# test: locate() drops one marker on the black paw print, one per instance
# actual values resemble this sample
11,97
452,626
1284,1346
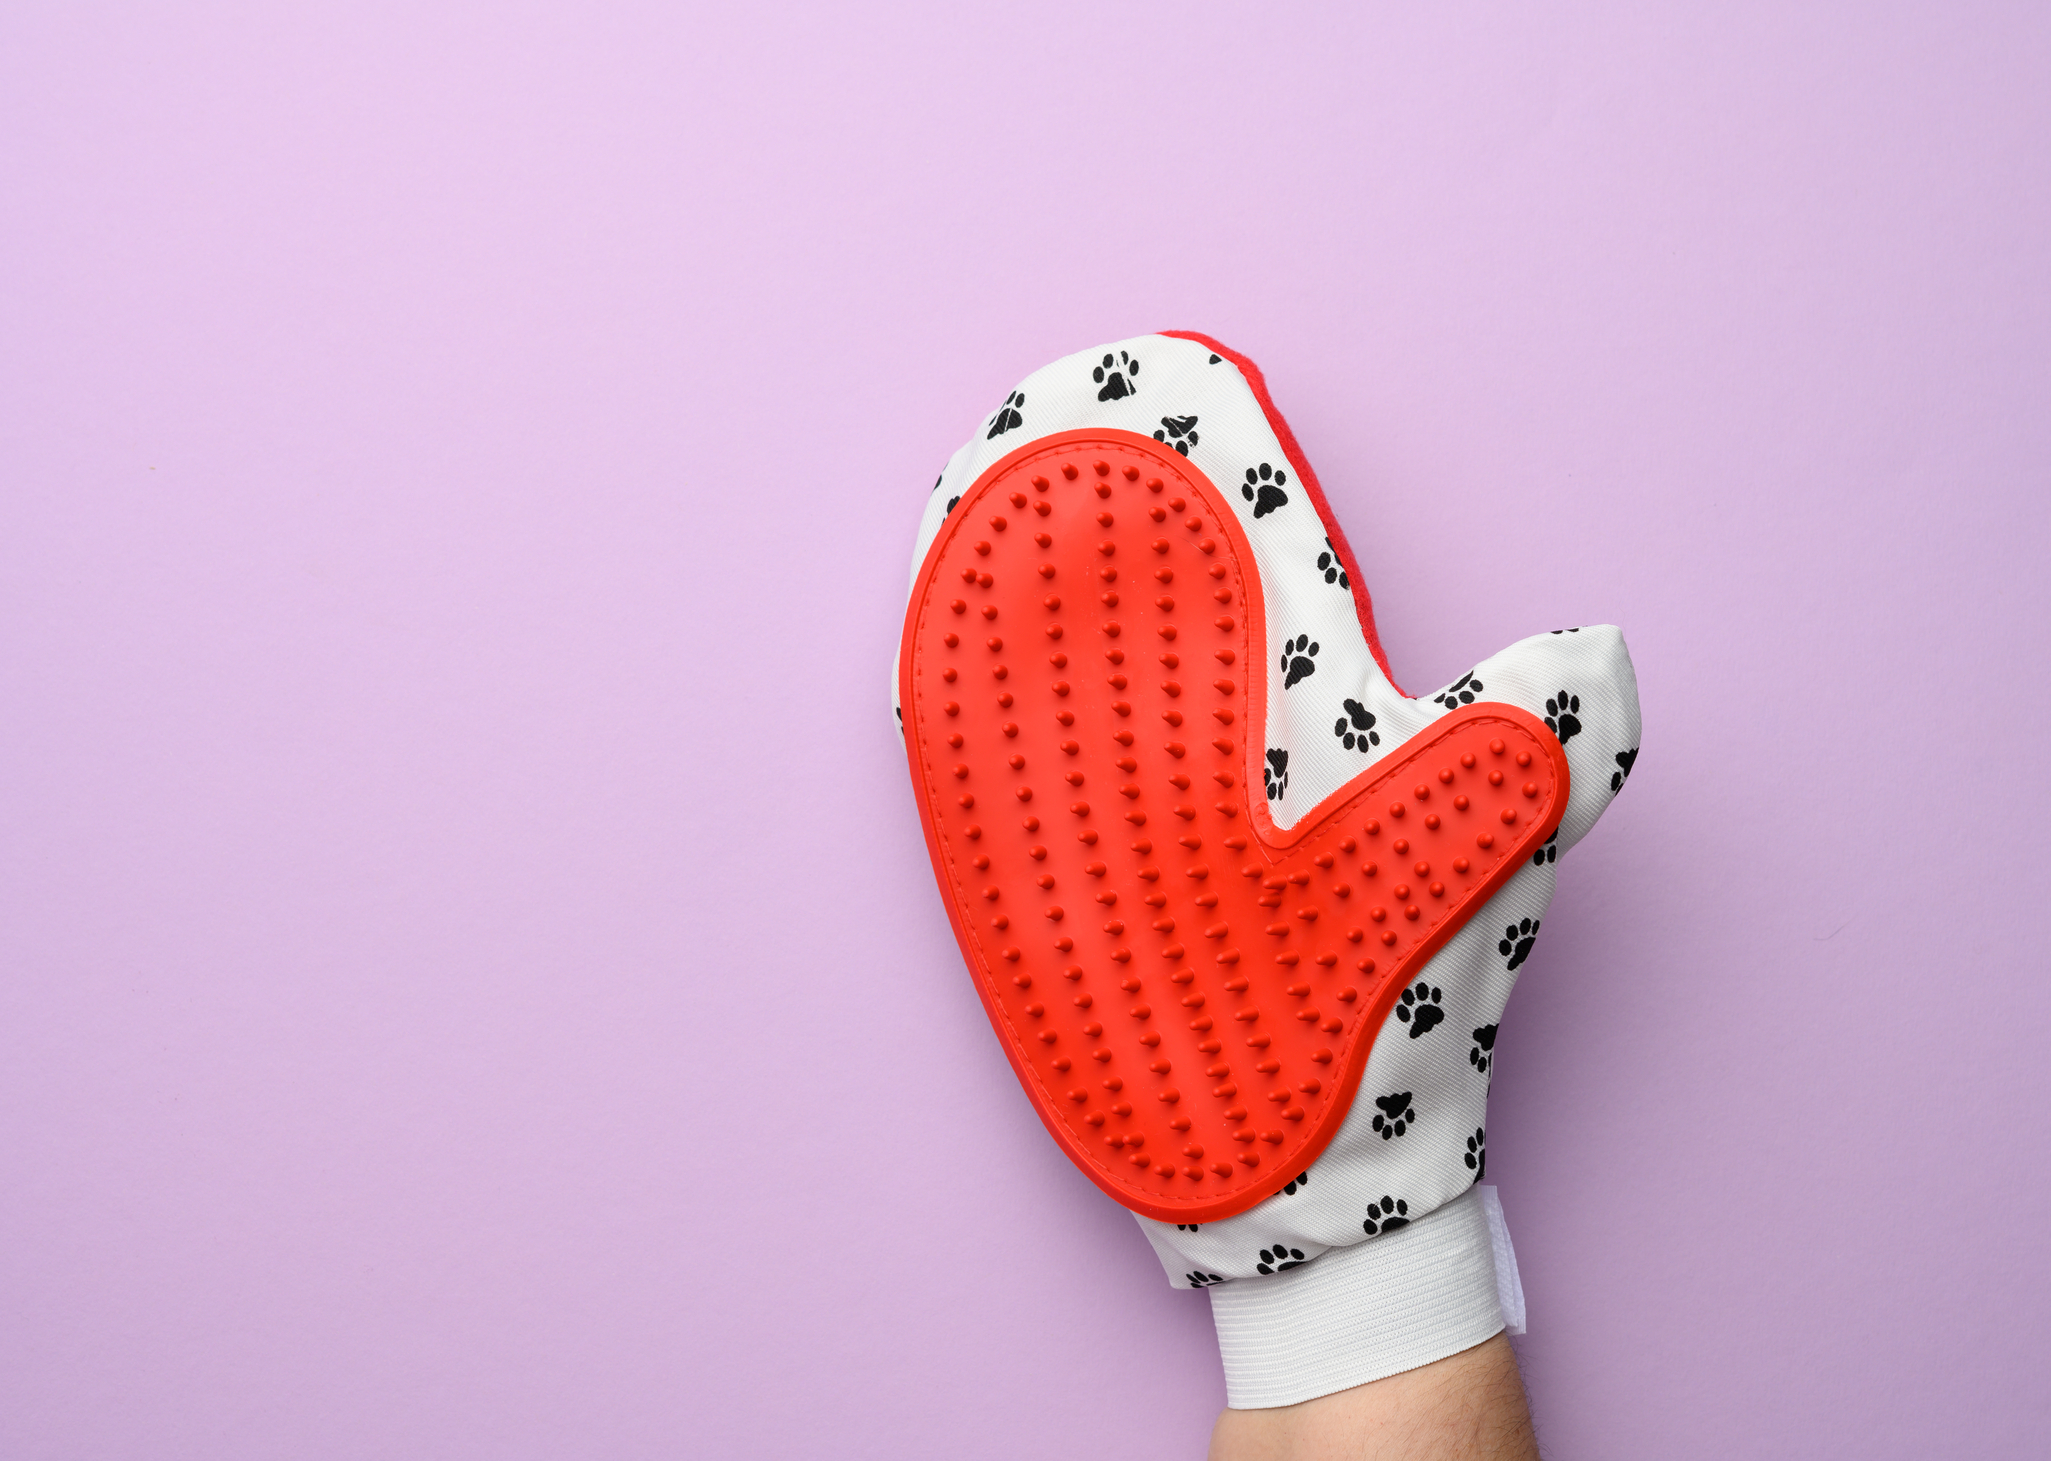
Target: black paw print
1187,1227
1355,729
1007,416
1264,489
1329,565
1179,432
1477,1153
1483,1054
1461,692
1548,850
1562,716
1397,1117
1203,1280
1386,1216
1301,1179
1517,940
1117,377
1420,1009
1299,660
1276,774
1279,1259
1625,761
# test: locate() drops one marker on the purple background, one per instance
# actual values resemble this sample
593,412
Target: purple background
472,983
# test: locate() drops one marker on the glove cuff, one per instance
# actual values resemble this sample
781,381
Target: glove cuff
1360,1313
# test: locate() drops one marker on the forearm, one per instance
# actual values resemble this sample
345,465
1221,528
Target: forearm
1467,1407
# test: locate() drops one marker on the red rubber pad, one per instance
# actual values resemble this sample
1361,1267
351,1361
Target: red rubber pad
1187,993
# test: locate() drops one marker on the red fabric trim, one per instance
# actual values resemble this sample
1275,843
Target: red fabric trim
1363,606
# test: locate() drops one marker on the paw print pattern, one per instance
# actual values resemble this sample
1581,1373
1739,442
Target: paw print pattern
1386,1216
1263,488
1625,761
1117,377
1276,774
1461,692
1355,729
1562,716
1187,1227
1397,1114
1299,659
1301,1179
1517,941
1007,416
1482,1056
1420,1009
1476,1156
1279,1259
1548,850
1203,1280
1179,432
1329,565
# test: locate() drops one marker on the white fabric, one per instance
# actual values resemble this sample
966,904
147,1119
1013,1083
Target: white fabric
1509,1283
1415,1139
1362,1313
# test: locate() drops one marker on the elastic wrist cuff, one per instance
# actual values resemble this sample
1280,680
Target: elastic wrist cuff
1361,1313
